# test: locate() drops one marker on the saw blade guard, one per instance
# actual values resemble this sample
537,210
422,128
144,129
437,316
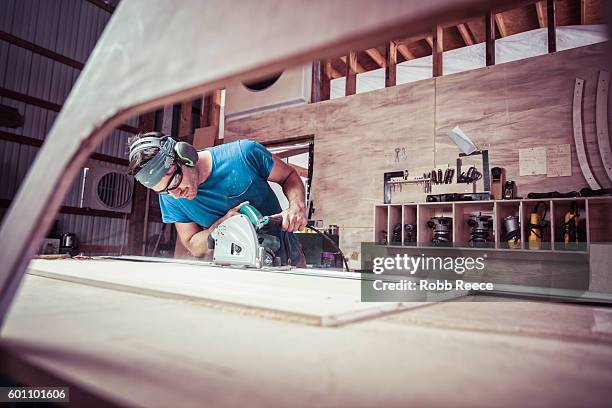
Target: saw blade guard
236,242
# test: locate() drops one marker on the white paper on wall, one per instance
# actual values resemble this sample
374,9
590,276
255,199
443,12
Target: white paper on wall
532,161
559,161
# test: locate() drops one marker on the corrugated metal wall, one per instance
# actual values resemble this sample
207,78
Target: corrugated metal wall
70,28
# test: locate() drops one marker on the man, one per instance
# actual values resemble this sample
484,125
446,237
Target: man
198,190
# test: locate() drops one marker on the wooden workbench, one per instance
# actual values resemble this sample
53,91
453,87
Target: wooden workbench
157,350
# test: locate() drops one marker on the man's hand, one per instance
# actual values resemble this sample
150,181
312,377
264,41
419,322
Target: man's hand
234,211
294,218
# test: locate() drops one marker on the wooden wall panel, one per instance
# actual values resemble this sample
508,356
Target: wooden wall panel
519,105
504,107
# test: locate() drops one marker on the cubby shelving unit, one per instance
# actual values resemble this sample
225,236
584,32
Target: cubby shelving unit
594,221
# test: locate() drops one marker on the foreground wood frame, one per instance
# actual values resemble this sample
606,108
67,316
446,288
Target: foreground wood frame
123,79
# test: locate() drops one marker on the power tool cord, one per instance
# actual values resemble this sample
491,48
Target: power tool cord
332,243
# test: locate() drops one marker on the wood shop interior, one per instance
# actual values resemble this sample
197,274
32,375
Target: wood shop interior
484,132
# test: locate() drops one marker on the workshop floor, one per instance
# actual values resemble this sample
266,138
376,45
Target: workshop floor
150,351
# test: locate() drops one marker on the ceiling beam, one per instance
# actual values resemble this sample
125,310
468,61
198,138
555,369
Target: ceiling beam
465,34
501,26
376,56
406,53
360,69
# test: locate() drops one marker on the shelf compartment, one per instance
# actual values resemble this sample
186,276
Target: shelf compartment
599,220
461,229
409,214
395,219
559,209
527,209
424,213
381,219
505,209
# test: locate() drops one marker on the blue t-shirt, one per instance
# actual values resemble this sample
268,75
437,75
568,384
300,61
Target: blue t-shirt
239,173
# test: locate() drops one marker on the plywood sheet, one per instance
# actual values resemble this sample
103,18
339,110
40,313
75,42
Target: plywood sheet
328,299
154,352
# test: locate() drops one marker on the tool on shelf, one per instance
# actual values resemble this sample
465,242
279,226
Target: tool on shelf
537,224
498,179
509,190
481,228
570,226
410,232
396,238
553,194
442,230
512,236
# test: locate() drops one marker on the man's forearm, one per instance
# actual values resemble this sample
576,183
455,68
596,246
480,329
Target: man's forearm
198,243
293,187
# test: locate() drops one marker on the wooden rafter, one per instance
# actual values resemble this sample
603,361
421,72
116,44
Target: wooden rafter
465,34
406,53
501,26
360,69
541,11
429,40
376,56
332,72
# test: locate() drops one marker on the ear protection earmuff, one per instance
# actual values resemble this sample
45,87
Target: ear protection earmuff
186,153
183,151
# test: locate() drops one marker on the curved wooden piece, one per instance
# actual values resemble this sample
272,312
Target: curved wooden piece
601,122
124,76
578,136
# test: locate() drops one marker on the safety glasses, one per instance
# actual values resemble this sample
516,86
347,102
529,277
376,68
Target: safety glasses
175,180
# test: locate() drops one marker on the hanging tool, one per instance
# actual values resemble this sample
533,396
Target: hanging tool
448,175
469,176
397,151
